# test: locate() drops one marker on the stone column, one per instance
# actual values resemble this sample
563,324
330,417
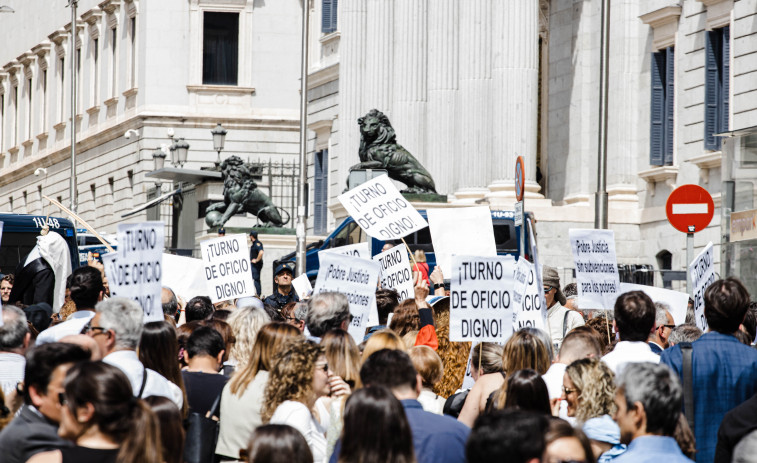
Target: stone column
515,98
410,75
443,84
378,55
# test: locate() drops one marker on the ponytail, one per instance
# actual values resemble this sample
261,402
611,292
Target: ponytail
141,444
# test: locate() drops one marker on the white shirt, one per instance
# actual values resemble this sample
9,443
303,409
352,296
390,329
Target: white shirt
431,402
629,352
555,319
553,378
297,415
128,362
75,323
11,371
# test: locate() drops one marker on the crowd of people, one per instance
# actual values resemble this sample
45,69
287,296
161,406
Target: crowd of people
280,379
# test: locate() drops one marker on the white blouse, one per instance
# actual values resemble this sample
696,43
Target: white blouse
298,416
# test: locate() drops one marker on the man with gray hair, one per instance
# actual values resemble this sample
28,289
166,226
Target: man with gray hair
327,311
117,328
684,333
14,340
300,315
663,326
648,399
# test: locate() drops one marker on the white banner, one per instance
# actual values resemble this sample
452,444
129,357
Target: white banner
302,286
395,271
355,278
702,273
676,300
462,231
227,267
184,275
596,267
481,306
379,208
135,270
361,250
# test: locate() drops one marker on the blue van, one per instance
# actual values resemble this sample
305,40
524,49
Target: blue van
20,232
90,243
349,232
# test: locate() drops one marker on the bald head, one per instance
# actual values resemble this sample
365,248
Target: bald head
581,342
87,342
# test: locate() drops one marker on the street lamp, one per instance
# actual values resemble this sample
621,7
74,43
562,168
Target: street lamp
6,9
219,137
179,151
159,158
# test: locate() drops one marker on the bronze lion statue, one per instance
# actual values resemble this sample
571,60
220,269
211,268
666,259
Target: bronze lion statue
379,150
241,194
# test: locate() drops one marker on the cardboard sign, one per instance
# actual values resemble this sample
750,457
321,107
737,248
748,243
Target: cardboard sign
481,307
702,273
395,271
463,231
676,300
227,268
361,250
379,208
596,267
536,287
355,278
184,275
302,286
135,271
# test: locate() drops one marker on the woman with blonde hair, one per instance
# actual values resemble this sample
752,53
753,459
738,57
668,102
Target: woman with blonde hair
382,339
343,357
300,375
242,397
245,323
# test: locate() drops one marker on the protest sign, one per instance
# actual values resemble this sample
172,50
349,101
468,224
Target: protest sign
302,286
676,300
702,274
596,267
361,250
395,271
528,312
481,307
536,286
227,267
379,208
184,275
1,242
355,278
463,231
136,270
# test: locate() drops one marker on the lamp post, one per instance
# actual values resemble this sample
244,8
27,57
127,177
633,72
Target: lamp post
301,233
72,180
179,150
219,137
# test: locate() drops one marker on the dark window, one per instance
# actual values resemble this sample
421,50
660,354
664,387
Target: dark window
716,85
220,49
328,15
321,192
662,122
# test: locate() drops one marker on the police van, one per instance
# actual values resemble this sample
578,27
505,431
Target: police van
349,232
19,236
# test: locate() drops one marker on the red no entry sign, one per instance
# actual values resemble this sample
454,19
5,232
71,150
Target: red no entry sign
689,208
520,178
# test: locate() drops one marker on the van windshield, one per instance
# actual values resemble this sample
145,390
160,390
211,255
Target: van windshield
15,247
350,234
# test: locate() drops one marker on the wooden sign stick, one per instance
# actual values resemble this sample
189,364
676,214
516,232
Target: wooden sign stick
81,221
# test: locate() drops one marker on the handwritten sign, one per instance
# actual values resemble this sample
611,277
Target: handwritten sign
395,271
361,250
227,267
481,306
596,267
702,273
355,278
453,231
135,271
379,208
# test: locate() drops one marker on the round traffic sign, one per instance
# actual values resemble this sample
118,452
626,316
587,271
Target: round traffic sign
689,208
519,178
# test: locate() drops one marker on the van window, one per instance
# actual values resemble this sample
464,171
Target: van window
504,236
15,247
350,234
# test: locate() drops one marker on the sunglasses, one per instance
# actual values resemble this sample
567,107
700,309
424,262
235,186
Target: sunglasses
548,289
325,367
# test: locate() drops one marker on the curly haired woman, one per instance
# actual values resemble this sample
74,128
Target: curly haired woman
300,375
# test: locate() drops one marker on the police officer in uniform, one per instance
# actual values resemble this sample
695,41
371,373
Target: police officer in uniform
256,259
283,292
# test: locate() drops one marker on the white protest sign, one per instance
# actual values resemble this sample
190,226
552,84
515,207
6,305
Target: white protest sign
463,231
379,208
395,271
676,300
361,250
481,307
227,267
184,275
535,288
302,286
596,267
355,278
702,273
135,270
1,242
527,313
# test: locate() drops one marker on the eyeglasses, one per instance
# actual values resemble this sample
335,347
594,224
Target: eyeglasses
568,390
325,367
547,289
88,329
669,326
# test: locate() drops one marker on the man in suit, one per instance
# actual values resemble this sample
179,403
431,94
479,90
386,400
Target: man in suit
663,326
35,428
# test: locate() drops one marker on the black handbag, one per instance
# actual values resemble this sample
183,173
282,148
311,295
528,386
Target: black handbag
202,436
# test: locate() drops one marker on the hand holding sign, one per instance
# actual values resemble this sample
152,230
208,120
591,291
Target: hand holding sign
395,271
702,272
596,267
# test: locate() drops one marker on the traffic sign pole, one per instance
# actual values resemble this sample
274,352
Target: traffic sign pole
689,258
519,187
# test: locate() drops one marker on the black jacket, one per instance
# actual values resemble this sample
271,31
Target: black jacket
28,434
34,283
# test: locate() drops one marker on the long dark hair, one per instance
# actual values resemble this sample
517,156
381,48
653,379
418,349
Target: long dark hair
117,413
526,390
159,351
278,443
376,429
171,429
